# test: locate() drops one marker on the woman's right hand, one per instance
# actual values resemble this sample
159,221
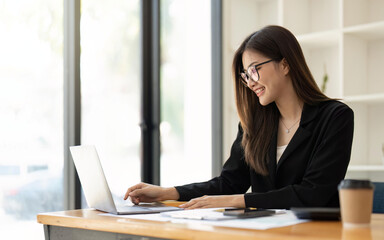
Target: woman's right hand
144,192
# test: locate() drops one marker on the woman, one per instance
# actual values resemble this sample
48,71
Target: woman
293,145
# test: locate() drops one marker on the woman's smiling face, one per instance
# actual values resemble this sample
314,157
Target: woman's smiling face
271,77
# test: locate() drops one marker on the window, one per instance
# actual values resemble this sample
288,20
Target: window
110,86
31,109
185,91
39,116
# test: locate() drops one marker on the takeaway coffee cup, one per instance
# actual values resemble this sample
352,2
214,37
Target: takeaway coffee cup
356,200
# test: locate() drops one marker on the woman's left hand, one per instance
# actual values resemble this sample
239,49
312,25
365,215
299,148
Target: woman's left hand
215,202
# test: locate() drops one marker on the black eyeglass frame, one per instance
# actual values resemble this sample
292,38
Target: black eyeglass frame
248,75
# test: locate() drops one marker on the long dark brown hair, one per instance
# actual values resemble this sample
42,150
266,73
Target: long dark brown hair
259,123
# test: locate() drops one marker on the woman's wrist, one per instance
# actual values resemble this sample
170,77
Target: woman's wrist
239,201
171,194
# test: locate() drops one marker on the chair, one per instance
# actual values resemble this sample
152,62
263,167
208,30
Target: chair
378,198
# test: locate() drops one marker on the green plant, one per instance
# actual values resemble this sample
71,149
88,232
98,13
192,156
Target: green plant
325,80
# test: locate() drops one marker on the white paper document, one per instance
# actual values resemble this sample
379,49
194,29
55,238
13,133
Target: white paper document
261,223
212,214
207,217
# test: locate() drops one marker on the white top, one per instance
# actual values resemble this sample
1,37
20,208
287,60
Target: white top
280,150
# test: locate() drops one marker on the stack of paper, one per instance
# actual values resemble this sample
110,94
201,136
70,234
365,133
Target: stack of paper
211,216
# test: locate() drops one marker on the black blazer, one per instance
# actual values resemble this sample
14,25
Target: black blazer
308,172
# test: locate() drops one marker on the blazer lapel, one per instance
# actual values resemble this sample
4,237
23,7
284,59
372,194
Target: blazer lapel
300,136
272,161
309,113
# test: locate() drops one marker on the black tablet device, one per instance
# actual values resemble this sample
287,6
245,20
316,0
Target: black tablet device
248,213
317,213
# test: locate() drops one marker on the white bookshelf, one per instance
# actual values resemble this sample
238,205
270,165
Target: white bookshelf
368,168
345,38
367,98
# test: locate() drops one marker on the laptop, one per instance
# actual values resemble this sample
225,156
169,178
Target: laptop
96,189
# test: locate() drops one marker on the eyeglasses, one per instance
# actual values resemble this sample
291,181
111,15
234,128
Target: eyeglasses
252,73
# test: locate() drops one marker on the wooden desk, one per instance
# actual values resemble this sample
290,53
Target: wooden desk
88,224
